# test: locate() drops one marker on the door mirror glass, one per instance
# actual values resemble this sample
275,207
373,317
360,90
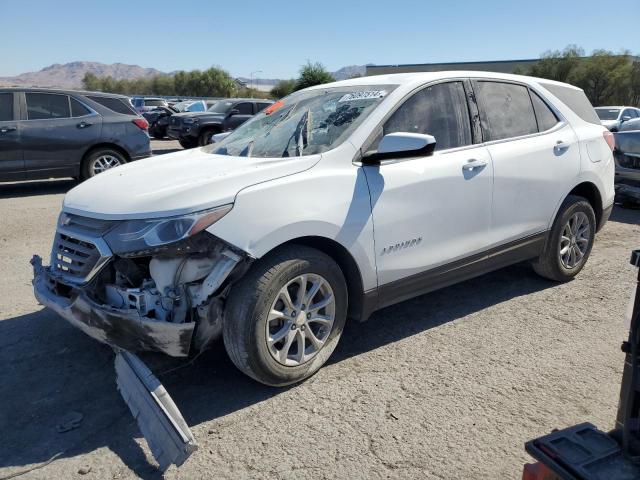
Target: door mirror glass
402,145
625,118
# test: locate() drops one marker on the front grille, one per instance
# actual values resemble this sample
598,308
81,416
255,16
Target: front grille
74,258
78,249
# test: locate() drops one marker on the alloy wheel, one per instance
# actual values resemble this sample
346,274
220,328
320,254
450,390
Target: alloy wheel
104,162
574,240
300,319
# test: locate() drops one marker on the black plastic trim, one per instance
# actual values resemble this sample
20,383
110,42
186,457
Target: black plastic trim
516,251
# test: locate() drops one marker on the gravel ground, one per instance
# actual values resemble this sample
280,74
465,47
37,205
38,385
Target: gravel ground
448,385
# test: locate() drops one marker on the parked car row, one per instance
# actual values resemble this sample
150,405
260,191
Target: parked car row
627,157
55,133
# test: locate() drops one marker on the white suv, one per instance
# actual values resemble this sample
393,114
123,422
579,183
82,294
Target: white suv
334,202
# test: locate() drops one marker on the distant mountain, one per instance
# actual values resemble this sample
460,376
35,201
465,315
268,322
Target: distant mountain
349,72
69,75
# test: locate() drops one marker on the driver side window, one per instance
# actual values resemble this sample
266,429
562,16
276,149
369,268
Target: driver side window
440,110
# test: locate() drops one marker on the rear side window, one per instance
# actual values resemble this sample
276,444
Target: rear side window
41,106
244,108
6,107
440,110
114,104
545,116
576,100
506,111
78,109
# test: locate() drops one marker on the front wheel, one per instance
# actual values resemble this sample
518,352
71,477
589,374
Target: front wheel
188,143
569,242
285,318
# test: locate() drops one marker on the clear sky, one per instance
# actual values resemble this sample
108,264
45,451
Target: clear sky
277,36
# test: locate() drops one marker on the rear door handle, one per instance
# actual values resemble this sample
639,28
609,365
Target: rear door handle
473,164
84,124
7,129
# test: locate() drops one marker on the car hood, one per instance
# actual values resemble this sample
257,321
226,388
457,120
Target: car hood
609,123
175,184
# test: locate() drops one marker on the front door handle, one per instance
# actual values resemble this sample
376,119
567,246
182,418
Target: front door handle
560,147
7,129
474,164
84,124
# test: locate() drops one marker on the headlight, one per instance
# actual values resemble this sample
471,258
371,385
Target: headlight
137,235
189,121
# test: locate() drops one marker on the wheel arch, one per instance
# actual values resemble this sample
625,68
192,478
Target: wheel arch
590,191
348,265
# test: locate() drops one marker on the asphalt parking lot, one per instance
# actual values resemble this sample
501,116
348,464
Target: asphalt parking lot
448,385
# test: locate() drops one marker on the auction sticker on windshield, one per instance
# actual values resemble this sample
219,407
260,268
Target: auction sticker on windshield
364,95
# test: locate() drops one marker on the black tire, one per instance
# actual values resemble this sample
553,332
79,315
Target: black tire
250,301
549,264
158,133
205,137
188,143
87,169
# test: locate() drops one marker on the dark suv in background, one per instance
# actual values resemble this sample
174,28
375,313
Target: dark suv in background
196,128
55,133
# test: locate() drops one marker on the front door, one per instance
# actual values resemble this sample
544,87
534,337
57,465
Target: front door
56,132
11,162
242,112
435,210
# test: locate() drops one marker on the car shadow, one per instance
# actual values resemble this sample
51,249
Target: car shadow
37,187
625,215
51,369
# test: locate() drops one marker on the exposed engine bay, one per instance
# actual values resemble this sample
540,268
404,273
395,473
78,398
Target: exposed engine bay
170,299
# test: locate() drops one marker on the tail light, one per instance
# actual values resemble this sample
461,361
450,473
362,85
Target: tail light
610,139
538,471
141,123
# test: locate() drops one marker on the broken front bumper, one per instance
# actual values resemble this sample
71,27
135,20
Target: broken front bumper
116,327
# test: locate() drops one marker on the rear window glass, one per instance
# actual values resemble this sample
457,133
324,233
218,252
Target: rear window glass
576,100
114,104
154,103
78,109
545,116
6,107
42,106
506,110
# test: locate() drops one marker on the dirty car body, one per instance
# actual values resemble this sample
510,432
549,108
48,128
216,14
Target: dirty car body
627,157
267,235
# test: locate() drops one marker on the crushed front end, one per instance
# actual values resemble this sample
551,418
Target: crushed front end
157,284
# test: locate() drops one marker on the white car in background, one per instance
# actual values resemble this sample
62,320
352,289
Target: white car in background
614,117
332,203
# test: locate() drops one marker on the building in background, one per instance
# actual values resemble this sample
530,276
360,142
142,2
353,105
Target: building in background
502,66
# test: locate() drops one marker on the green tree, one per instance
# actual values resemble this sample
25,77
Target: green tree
283,88
604,77
313,74
90,82
558,65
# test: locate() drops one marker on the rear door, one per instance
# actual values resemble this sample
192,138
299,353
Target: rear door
56,131
11,161
535,157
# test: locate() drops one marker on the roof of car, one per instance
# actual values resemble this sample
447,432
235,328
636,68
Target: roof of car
58,90
423,77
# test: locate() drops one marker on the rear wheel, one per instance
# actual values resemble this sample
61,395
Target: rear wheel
285,318
570,241
101,160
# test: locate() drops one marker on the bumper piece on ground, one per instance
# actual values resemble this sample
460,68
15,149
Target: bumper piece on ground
160,421
119,328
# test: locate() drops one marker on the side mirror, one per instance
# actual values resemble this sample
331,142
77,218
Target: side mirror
625,118
233,112
401,145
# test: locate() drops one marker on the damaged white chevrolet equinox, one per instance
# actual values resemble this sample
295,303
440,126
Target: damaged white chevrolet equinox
332,203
